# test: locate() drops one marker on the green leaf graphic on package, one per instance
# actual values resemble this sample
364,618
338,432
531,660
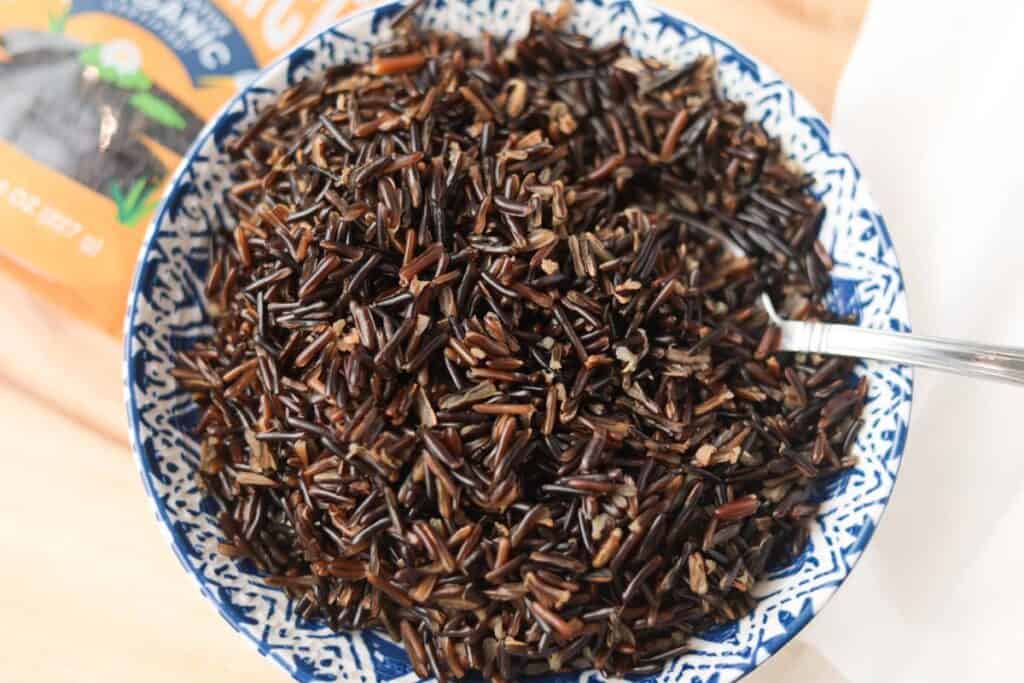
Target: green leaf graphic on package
132,206
119,62
58,21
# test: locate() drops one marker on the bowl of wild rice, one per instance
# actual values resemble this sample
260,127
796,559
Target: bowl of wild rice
443,356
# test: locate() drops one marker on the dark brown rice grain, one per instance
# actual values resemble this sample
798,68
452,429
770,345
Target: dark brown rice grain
488,371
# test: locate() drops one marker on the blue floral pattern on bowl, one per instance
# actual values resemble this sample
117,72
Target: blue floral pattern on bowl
167,312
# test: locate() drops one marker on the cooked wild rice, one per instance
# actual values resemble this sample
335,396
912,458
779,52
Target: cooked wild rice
489,372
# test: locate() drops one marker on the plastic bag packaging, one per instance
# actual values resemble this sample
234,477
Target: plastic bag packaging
100,100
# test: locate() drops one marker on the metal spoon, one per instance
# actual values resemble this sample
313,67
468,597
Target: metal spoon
1003,363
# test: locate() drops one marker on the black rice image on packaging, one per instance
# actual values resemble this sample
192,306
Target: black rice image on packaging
83,110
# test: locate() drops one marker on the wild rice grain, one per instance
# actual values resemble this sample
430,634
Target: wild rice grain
487,373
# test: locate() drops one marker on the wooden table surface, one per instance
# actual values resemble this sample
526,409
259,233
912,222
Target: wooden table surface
92,593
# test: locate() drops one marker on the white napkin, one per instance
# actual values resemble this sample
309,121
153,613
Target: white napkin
931,106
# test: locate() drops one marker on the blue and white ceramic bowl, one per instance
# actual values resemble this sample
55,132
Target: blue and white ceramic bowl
167,312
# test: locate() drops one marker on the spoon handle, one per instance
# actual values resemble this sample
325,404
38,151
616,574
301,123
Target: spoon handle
986,361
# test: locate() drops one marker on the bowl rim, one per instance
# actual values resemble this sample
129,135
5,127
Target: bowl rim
129,372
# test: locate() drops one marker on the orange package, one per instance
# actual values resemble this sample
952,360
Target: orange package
100,100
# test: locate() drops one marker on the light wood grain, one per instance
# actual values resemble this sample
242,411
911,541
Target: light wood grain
93,592
73,368
806,41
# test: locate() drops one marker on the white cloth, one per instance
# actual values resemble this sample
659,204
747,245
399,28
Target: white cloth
930,107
